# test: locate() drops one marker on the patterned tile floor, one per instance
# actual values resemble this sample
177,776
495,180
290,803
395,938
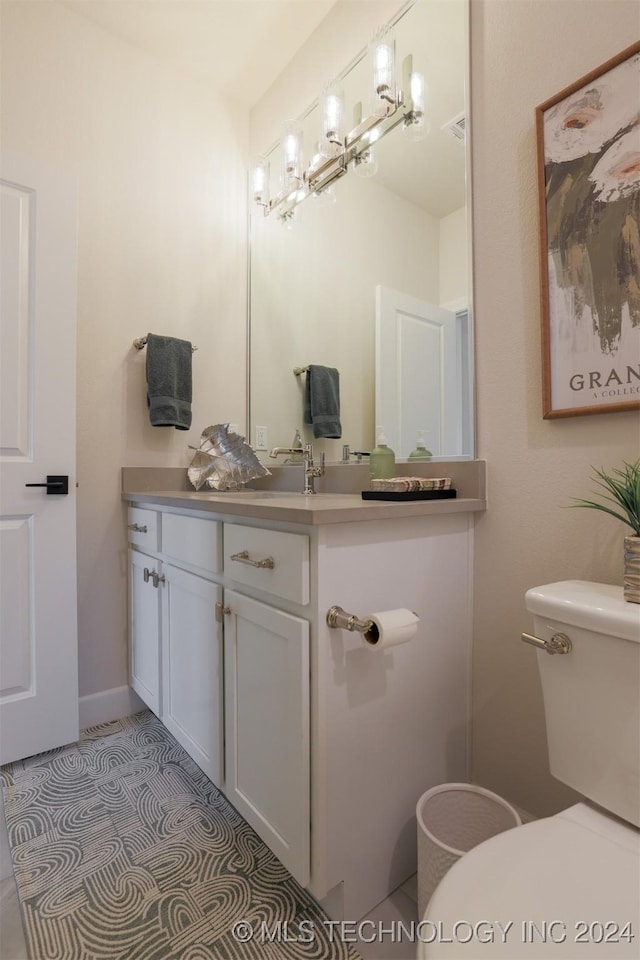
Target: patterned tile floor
124,849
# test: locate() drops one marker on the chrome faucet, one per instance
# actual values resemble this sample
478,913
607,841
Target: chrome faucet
310,469
347,453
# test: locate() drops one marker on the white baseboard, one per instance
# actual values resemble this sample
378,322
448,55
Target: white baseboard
108,705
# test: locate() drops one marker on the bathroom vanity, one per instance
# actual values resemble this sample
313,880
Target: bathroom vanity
322,743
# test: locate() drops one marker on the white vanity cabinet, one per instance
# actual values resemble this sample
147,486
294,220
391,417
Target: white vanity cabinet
328,743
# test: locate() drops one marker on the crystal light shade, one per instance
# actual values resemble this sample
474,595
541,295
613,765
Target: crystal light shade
382,64
332,112
365,164
416,125
291,156
260,182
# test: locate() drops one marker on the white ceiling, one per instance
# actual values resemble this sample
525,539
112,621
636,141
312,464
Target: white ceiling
238,46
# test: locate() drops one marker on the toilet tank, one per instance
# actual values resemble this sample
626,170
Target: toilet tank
592,694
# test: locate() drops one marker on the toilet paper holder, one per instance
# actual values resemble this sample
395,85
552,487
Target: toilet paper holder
341,620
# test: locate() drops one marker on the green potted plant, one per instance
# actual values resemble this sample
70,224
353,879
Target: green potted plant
620,496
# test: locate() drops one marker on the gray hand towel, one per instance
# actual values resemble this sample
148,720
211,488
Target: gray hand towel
169,382
322,401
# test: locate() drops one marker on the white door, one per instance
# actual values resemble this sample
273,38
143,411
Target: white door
417,374
38,619
266,662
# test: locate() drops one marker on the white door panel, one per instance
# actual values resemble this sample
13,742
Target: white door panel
38,620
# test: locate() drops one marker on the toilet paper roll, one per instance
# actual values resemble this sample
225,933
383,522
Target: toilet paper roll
390,628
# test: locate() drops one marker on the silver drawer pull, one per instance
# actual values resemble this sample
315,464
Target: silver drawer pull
243,557
558,643
138,527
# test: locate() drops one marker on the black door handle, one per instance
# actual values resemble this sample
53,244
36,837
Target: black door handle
54,484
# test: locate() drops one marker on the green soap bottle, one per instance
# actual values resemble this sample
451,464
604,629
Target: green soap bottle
420,452
382,461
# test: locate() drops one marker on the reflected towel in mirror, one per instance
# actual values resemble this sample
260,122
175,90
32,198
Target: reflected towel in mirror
322,401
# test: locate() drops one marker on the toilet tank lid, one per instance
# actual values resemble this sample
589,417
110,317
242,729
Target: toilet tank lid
595,606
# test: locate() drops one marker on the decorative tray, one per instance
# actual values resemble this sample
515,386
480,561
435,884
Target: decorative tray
408,494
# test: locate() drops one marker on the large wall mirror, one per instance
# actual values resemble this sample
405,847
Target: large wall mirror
372,276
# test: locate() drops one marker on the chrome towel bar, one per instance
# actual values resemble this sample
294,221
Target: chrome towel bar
141,342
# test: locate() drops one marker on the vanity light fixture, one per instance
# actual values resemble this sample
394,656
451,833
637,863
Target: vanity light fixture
337,152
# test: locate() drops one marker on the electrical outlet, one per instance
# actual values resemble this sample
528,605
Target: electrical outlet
261,438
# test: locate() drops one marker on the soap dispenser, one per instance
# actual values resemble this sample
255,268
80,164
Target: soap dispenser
420,452
382,462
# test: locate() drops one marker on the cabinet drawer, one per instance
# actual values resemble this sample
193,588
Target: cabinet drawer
191,540
143,528
286,557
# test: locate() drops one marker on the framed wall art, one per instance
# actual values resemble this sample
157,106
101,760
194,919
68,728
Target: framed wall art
588,139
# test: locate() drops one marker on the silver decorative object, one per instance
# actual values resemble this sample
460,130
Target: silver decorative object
224,461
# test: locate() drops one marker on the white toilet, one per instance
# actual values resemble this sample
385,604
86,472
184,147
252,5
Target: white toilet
567,885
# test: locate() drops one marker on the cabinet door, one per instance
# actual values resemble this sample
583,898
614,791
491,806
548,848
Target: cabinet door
192,706
267,726
144,629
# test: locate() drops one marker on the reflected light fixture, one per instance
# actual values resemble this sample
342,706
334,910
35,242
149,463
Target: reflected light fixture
365,164
260,182
292,173
383,70
332,113
338,152
416,125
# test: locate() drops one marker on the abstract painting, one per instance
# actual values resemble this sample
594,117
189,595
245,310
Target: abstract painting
588,139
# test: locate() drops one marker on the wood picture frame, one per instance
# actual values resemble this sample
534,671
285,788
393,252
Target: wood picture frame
588,143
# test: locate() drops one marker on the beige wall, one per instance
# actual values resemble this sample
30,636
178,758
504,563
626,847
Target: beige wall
160,163
453,263
523,52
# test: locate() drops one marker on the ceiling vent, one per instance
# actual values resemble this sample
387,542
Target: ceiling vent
456,127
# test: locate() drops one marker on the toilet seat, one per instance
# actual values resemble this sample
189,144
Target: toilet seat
567,886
